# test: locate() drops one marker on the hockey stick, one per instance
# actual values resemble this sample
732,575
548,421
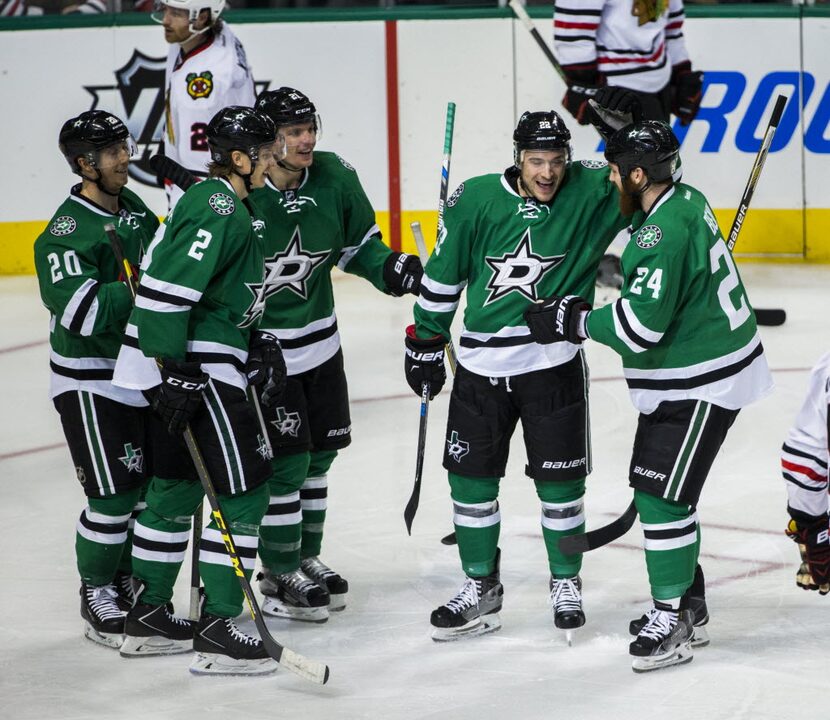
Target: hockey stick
412,505
296,663
519,11
593,539
164,166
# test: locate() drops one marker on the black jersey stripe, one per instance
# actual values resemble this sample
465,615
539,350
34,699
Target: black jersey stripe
314,493
302,341
629,331
574,11
669,533
163,297
79,374
104,528
810,488
219,548
676,14
82,310
428,294
698,380
572,38
637,70
800,453
495,342
160,546
216,358
286,508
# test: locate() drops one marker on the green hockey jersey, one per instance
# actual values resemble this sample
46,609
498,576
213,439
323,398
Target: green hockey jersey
81,284
200,290
326,222
509,252
683,323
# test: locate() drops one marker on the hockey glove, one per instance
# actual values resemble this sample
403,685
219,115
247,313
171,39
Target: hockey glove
424,362
614,108
583,83
811,534
180,394
688,92
266,366
556,319
402,274
609,272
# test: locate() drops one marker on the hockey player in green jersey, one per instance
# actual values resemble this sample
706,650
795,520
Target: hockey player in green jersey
317,216
197,312
692,357
540,227
82,287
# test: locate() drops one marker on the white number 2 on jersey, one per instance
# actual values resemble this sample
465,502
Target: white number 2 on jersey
737,315
197,249
653,283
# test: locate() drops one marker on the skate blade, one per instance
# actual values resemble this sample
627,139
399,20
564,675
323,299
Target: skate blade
700,637
110,640
214,664
337,602
150,646
273,607
483,626
679,656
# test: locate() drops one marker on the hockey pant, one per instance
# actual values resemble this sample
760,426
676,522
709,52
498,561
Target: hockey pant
293,526
161,537
671,538
477,522
103,536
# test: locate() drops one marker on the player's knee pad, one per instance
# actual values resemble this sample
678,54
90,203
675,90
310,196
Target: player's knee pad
288,473
320,462
242,513
653,509
466,489
560,491
174,501
115,505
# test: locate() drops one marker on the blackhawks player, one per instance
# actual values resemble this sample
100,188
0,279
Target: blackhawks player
207,70
540,227
81,286
317,217
804,460
692,358
197,309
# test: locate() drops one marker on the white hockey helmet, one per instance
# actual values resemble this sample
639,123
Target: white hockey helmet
193,7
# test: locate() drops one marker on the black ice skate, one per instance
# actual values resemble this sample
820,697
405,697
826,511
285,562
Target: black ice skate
223,649
327,578
104,620
127,588
473,611
294,596
566,601
664,640
154,630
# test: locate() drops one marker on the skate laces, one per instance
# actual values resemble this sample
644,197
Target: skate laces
296,580
659,625
314,567
101,601
467,596
565,595
238,635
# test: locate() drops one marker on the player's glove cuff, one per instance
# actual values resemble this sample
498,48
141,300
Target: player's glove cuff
402,274
424,362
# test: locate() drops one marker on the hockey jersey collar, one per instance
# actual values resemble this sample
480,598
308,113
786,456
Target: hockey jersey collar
184,57
273,187
75,194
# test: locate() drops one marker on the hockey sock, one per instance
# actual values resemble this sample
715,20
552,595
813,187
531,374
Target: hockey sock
126,564
279,533
671,541
477,522
563,513
242,514
101,534
314,498
161,535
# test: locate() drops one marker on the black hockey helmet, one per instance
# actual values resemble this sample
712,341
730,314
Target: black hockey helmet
540,131
648,144
88,133
287,106
239,128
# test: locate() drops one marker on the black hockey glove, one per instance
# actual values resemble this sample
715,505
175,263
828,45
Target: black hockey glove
811,534
266,366
424,362
614,108
180,394
555,319
688,91
609,272
402,274
583,83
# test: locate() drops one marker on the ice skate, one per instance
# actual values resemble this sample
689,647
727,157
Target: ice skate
664,640
294,596
473,611
103,619
127,588
566,602
154,630
697,605
328,579
223,649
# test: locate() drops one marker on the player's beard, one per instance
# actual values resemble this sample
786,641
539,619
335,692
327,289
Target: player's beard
629,198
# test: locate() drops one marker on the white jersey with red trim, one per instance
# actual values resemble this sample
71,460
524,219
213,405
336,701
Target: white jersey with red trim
804,456
627,53
199,84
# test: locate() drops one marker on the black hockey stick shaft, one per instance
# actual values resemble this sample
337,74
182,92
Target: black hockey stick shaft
412,506
519,11
165,167
296,663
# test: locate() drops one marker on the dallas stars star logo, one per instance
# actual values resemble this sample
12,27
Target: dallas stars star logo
133,458
456,447
289,269
519,271
288,423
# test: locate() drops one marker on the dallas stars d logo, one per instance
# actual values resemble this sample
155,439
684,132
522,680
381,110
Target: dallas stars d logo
133,458
262,447
457,448
288,423
519,271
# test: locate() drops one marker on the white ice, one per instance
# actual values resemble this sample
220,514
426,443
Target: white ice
768,653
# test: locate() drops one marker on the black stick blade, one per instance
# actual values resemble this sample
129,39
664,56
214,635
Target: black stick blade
770,316
593,539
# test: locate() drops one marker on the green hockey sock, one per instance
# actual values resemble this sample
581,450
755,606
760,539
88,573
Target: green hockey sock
477,522
563,513
279,533
126,564
314,499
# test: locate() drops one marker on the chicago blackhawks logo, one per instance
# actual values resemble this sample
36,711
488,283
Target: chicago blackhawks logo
457,448
133,459
519,271
287,423
222,204
199,85
649,236
64,225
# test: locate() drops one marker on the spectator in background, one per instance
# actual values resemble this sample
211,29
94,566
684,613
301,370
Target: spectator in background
635,44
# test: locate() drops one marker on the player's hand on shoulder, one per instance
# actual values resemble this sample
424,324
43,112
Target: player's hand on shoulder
266,366
424,362
614,108
557,319
179,396
402,274
811,534
583,84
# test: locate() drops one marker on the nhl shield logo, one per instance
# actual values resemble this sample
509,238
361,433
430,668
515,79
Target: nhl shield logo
200,85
